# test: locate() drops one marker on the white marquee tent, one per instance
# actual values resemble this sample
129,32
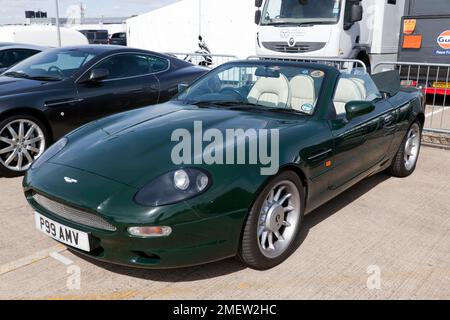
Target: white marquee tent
226,26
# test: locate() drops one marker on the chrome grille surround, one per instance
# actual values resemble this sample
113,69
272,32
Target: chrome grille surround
72,214
299,47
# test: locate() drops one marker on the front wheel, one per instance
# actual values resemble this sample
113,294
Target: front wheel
23,139
405,161
274,222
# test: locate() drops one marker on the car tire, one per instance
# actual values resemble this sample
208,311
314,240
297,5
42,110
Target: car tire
271,220
405,161
21,149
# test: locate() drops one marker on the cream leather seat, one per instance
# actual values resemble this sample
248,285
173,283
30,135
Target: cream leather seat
361,87
302,91
270,92
346,91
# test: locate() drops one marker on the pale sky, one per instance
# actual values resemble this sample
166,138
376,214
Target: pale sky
12,11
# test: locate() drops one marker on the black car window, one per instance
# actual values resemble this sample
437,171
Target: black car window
158,64
11,57
132,65
57,63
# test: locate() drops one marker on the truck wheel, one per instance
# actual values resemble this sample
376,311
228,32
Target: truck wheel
23,139
405,161
271,231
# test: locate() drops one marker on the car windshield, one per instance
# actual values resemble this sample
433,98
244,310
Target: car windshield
258,86
51,65
301,12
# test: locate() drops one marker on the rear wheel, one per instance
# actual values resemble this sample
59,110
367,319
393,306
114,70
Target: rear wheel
274,222
23,139
405,160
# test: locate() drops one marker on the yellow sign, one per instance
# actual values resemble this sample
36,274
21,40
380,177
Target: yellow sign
409,26
441,85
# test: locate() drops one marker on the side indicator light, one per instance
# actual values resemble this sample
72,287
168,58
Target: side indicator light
328,164
150,232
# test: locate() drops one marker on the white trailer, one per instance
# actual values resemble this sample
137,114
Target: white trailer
45,36
367,30
226,26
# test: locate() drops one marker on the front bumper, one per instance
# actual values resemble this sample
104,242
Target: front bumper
193,240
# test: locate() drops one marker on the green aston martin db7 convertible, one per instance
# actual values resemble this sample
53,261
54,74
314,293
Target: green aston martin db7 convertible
227,168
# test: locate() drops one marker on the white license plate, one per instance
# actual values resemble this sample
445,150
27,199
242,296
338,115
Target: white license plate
66,235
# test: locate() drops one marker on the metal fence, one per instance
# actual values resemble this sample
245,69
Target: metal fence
207,60
341,64
433,80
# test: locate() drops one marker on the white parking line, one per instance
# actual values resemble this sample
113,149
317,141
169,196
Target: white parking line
23,262
61,258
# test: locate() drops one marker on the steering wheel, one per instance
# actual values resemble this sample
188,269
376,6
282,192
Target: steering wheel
234,92
58,70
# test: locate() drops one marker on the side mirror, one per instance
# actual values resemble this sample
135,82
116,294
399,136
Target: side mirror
357,13
258,3
258,16
182,87
98,75
356,109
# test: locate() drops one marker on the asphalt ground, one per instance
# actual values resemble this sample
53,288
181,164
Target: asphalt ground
383,238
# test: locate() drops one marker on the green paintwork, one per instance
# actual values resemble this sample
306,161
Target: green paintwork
114,157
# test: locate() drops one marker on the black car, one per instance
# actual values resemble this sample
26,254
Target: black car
54,92
12,53
119,39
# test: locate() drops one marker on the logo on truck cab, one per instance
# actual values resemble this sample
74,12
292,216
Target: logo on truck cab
444,40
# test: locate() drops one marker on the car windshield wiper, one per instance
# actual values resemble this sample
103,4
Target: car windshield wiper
285,110
45,78
222,103
297,24
234,105
23,75
15,74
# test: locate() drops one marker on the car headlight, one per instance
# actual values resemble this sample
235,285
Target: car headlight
173,187
50,153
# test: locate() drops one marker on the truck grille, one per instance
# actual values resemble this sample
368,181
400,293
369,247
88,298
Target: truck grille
300,47
72,214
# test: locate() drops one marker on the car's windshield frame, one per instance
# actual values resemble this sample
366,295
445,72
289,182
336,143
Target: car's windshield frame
182,96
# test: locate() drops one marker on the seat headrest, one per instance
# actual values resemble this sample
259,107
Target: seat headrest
302,86
347,90
272,92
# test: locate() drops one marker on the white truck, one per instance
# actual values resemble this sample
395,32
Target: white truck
367,30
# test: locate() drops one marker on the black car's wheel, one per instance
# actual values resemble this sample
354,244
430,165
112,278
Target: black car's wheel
274,222
405,161
23,139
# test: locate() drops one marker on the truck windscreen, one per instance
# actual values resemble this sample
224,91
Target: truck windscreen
301,12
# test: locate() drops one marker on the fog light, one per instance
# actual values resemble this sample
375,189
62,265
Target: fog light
150,232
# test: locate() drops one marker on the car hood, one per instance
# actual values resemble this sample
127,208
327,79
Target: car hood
135,147
10,86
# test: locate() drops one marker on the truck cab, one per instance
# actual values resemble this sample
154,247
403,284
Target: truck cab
352,29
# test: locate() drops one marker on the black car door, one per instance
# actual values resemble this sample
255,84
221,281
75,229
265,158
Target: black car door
131,83
360,143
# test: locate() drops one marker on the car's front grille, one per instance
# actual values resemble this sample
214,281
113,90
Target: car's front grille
299,47
73,214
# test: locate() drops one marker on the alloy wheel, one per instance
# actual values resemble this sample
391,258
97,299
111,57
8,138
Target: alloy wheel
279,219
21,142
412,147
